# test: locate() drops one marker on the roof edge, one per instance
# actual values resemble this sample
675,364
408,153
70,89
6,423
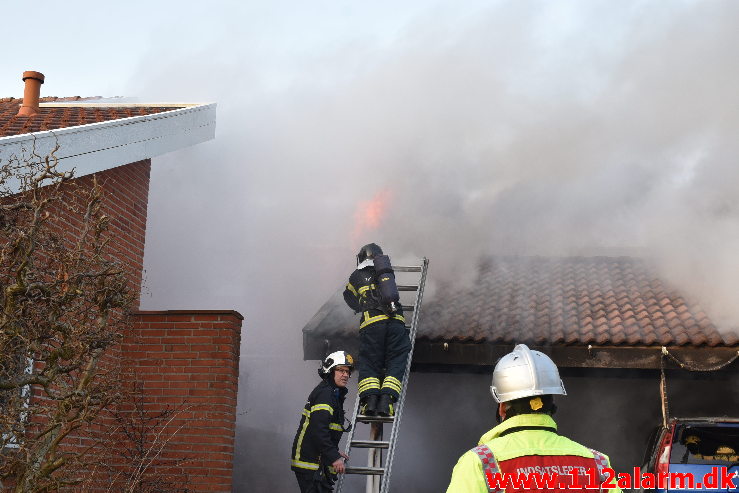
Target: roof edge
582,356
98,146
77,104
233,313
457,356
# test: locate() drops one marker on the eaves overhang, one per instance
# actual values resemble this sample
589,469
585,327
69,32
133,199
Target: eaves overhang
454,356
436,356
99,146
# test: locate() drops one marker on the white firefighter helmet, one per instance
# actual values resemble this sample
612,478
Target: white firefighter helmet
525,373
337,358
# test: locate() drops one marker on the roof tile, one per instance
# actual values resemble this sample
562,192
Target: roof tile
53,118
606,301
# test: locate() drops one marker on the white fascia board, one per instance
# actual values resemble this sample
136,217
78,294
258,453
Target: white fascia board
99,146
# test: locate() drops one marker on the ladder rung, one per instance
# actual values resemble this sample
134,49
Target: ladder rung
407,287
407,268
375,419
409,308
370,444
367,471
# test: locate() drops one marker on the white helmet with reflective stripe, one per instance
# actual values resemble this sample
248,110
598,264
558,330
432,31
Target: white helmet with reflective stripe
337,358
525,373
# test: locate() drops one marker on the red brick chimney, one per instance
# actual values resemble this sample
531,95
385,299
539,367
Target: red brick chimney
31,93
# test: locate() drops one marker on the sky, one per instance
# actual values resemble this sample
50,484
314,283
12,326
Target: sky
482,127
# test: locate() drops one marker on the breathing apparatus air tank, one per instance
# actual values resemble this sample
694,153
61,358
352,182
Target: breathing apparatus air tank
386,287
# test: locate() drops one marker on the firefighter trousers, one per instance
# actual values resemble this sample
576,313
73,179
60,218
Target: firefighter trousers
314,482
383,353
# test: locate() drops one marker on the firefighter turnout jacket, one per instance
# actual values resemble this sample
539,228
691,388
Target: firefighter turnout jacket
383,339
361,297
316,442
525,444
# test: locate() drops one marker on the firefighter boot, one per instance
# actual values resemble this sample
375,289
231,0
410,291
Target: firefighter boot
368,405
385,405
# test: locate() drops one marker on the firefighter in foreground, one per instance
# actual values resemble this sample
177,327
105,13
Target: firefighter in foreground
384,342
526,440
316,458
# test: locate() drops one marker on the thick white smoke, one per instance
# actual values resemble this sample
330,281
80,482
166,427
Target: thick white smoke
526,127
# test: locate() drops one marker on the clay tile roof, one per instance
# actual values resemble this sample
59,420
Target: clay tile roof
617,301
53,118
607,301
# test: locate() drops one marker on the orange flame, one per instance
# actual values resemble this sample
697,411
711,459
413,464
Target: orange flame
369,215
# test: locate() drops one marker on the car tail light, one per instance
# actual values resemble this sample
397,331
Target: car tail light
663,456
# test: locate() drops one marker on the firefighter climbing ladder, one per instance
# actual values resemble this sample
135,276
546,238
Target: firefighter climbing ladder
378,474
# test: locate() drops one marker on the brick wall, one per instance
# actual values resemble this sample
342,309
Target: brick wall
125,202
187,362
179,369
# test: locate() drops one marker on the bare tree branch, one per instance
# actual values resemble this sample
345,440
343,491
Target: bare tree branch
63,302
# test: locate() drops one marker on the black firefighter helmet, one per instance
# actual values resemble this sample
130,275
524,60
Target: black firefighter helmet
368,251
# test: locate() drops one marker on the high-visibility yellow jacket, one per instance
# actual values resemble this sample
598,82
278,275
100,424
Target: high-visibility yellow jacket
525,444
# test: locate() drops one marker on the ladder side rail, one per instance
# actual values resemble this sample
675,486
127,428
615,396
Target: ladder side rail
349,438
400,404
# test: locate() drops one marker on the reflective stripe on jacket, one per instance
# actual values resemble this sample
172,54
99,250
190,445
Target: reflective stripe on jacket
524,452
359,296
316,442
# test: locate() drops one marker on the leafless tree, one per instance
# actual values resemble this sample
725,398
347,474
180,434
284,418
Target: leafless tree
138,463
63,300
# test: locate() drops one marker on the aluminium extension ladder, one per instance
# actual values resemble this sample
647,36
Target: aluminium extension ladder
378,474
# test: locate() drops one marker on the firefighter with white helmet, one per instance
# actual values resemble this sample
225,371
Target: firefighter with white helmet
526,440
316,458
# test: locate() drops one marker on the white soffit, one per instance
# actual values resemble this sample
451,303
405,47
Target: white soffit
99,146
